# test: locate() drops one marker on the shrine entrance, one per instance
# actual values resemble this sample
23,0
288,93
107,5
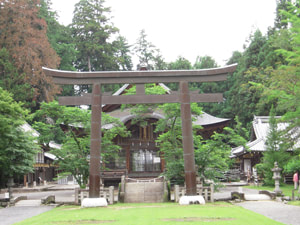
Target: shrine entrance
184,97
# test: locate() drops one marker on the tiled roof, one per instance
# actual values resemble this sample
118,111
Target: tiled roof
260,126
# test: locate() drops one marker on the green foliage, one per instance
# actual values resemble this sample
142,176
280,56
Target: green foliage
12,81
70,126
141,110
147,52
282,86
293,165
17,147
170,139
170,142
276,151
181,63
59,36
122,53
212,155
205,62
93,32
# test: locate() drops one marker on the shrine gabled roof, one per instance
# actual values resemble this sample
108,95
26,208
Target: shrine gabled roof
125,115
260,128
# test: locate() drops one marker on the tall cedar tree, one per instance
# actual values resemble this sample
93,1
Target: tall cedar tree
145,51
24,35
93,31
276,151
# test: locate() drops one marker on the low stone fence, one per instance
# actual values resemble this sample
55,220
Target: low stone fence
107,193
206,191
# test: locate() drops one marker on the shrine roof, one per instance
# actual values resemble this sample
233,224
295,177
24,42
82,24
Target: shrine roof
260,130
204,119
125,115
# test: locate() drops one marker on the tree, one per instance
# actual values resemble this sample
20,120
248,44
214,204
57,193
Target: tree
123,53
170,139
60,37
73,157
24,35
93,31
145,51
283,84
205,62
276,151
159,62
280,20
11,80
17,148
212,155
181,63
242,98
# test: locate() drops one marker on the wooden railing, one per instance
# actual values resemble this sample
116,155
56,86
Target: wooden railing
107,193
206,191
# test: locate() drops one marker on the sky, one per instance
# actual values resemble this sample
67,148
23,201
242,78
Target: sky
188,28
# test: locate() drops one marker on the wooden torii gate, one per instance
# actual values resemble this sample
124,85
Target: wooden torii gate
184,97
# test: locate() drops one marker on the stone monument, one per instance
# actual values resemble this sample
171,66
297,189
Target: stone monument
276,176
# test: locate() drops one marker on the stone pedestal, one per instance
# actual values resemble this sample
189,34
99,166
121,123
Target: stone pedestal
188,200
93,202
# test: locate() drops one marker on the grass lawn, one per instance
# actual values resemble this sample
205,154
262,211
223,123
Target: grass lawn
296,203
285,188
156,213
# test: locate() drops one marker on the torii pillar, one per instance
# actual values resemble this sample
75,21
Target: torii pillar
184,97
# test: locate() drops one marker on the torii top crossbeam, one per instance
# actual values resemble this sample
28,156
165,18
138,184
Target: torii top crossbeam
184,97
139,77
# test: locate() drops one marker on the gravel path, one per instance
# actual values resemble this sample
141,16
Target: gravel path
287,214
13,215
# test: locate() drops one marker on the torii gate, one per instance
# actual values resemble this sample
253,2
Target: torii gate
184,97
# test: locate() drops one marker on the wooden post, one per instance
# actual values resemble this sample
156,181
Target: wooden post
187,140
25,180
94,179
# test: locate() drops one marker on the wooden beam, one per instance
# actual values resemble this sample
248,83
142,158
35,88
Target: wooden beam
136,99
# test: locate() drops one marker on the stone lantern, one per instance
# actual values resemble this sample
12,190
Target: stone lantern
276,176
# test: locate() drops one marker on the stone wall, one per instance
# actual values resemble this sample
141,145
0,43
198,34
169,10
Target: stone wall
144,192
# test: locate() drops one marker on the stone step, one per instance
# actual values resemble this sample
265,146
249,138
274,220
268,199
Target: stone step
28,203
256,197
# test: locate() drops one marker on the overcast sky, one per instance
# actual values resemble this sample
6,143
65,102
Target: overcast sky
186,28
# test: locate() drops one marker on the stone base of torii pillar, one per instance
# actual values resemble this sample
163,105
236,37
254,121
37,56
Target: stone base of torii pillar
188,200
93,202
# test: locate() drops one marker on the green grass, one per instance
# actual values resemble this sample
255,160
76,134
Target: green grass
285,188
144,214
296,203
